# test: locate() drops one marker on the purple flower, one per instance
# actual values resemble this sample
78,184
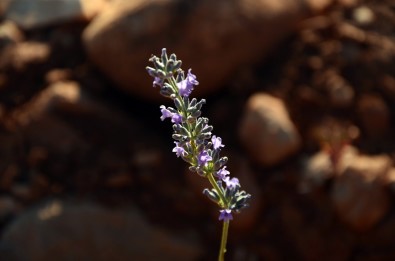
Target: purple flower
225,215
192,78
222,173
185,87
157,82
180,151
176,118
203,158
165,113
231,183
217,142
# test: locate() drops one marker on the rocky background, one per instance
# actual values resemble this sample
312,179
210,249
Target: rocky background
301,92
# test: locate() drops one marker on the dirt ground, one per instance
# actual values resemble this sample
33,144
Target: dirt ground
112,148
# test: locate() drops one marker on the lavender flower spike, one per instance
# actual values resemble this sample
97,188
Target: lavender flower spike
194,141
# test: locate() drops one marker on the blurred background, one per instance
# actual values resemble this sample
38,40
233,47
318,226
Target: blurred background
302,93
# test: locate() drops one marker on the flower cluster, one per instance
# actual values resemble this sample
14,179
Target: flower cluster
194,142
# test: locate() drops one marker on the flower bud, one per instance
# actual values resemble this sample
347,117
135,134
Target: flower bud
191,119
178,104
151,71
173,56
164,56
212,195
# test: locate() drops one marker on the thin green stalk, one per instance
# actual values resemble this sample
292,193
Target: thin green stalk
213,183
222,249
225,227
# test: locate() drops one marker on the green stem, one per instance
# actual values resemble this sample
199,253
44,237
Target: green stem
222,249
217,188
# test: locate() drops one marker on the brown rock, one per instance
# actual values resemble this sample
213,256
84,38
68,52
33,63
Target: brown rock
319,168
86,231
22,55
3,6
36,13
23,193
313,233
359,195
120,180
266,130
318,6
8,208
71,135
341,94
8,176
54,97
214,38
389,179
10,33
58,75
374,115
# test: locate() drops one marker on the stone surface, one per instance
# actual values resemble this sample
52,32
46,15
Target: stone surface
36,13
374,115
266,131
318,6
213,37
63,126
85,231
22,55
318,168
340,93
359,195
8,208
390,179
9,34
3,6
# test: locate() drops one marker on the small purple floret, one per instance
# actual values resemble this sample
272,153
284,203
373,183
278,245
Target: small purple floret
185,87
191,78
180,151
231,183
157,82
165,113
225,215
222,173
203,158
176,118
217,142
